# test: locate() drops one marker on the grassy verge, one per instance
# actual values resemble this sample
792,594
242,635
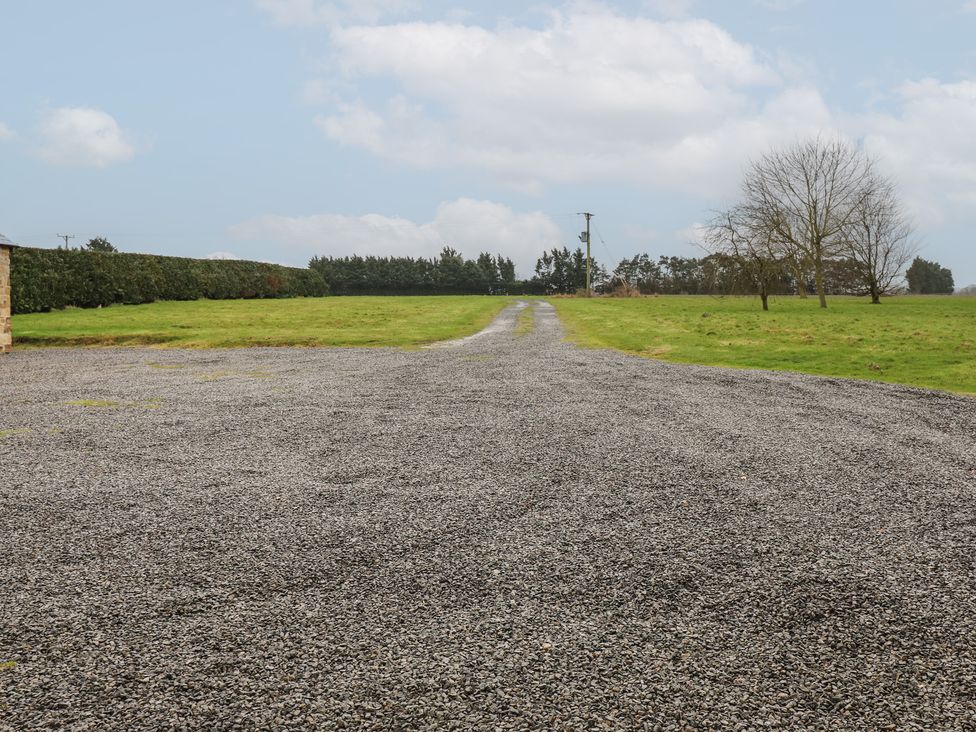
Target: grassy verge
525,321
333,321
922,341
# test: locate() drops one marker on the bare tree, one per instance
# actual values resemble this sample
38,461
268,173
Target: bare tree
799,268
806,195
753,246
878,239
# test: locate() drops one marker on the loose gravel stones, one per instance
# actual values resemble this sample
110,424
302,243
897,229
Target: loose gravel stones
510,534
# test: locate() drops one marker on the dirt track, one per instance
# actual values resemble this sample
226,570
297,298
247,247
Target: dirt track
508,534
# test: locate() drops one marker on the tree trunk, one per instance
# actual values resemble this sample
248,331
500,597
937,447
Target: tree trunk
819,279
801,287
875,295
765,300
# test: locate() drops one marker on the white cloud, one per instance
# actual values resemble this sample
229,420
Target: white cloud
693,237
6,133
929,144
467,225
316,12
670,8
84,137
668,103
675,104
969,6
316,92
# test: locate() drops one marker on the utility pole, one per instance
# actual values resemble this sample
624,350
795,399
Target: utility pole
66,237
585,236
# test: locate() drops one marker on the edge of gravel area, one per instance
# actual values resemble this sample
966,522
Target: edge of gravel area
785,373
503,322
790,375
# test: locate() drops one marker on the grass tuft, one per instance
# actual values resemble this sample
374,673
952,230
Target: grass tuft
14,432
107,404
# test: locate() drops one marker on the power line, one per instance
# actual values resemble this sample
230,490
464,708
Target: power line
66,237
605,247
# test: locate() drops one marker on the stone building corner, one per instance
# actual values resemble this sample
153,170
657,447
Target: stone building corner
6,335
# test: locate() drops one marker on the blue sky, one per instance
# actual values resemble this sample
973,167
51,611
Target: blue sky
279,129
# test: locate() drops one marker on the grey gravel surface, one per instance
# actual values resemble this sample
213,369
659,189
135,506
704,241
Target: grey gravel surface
511,534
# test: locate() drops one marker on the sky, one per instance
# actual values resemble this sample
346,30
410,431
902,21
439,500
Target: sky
281,129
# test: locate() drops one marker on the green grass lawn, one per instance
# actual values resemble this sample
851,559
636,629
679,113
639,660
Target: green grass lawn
330,321
923,341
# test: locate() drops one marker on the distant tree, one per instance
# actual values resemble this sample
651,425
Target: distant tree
877,240
929,278
562,272
683,275
717,273
640,272
99,244
806,196
577,270
842,276
757,249
506,273
489,267
562,275
451,275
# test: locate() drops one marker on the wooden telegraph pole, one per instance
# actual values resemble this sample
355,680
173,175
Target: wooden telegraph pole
585,236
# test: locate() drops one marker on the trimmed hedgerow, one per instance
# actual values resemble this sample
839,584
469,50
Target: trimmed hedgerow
50,279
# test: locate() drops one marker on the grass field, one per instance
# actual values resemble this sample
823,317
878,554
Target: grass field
922,341
332,321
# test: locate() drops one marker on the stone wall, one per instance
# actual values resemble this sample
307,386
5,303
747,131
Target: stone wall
6,338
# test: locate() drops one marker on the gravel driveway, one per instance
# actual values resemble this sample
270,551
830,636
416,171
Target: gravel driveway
511,533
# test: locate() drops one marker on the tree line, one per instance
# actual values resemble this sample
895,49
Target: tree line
562,271
724,274
447,274
95,276
557,271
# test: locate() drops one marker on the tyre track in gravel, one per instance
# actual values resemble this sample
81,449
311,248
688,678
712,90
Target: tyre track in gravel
502,533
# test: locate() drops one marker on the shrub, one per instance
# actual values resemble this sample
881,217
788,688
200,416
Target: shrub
50,279
622,288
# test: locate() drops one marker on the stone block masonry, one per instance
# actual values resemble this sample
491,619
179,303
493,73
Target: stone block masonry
6,335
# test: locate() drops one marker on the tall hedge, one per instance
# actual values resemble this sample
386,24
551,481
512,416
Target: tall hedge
49,279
